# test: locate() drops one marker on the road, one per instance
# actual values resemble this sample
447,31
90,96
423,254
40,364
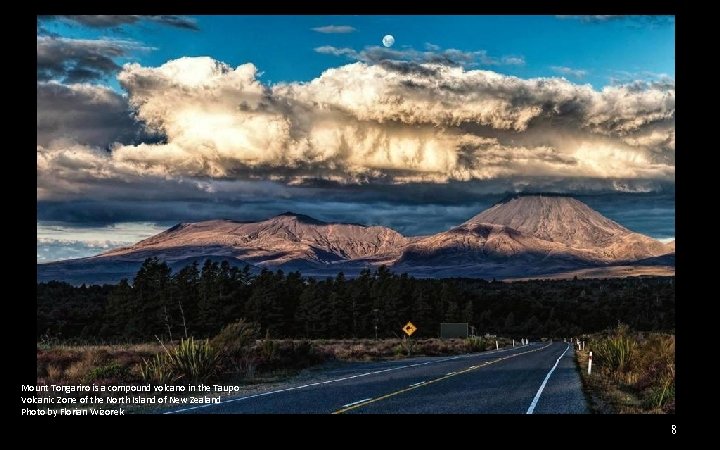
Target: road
539,378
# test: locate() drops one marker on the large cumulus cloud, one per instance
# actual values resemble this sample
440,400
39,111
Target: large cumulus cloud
368,123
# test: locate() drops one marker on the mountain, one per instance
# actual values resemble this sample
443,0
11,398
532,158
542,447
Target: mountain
671,246
521,236
529,235
289,241
568,221
276,241
477,249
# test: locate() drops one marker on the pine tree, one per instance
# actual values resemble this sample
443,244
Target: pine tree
186,293
210,310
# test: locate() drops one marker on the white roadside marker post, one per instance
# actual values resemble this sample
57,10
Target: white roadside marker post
513,342
590,364
497,347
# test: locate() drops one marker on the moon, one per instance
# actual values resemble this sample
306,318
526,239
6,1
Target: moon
388,40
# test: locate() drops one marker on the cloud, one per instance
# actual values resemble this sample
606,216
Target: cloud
624,77
335,29
568,71
49,250
432,55
592,18
87,114
337,51
113,21
57,242
80,60
366,125
631,19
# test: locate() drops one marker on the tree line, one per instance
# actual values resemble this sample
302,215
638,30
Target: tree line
199,300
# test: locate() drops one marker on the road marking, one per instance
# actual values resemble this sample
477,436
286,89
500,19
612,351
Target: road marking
230,400
426,383
542,386
355,403
414,384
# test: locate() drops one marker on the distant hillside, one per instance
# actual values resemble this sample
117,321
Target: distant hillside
521,236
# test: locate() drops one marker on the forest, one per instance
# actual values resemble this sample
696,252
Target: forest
199,300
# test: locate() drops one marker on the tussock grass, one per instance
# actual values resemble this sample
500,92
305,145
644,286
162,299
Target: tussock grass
632,372
77,364
234,354
158,370
190,362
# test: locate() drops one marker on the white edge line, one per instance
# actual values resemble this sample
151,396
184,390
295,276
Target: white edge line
542,386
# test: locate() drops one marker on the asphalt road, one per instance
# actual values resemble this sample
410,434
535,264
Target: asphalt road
539,378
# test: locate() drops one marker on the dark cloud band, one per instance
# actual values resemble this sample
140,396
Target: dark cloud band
113,21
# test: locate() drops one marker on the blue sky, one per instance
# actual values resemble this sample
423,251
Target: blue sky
244,117
282,47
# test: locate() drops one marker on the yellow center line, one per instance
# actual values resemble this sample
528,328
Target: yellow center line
426,383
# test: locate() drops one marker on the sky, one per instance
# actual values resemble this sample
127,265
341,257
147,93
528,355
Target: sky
147,121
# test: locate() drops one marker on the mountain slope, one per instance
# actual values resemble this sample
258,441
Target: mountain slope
671,246
526,235
570,222
276,241
478,249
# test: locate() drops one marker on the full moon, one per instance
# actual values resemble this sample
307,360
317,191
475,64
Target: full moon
388,40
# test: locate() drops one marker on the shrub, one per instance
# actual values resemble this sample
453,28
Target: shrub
55,372
157,370
192,361
113,371
661,395
268,349
637,370
235,338
407,347
475,344
614,352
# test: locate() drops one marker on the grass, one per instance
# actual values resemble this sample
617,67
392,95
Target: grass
103,364
234,354
631,373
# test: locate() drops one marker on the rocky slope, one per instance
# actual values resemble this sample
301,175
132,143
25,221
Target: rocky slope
522,236
278,240
568,221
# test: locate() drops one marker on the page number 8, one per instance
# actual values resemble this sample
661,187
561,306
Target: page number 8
674,429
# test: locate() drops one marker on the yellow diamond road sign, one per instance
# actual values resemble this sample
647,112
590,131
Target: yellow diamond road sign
409,328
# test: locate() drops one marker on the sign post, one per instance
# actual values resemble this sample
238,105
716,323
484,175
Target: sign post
409,329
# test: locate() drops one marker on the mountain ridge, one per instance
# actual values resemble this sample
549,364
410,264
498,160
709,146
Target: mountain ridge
525,235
